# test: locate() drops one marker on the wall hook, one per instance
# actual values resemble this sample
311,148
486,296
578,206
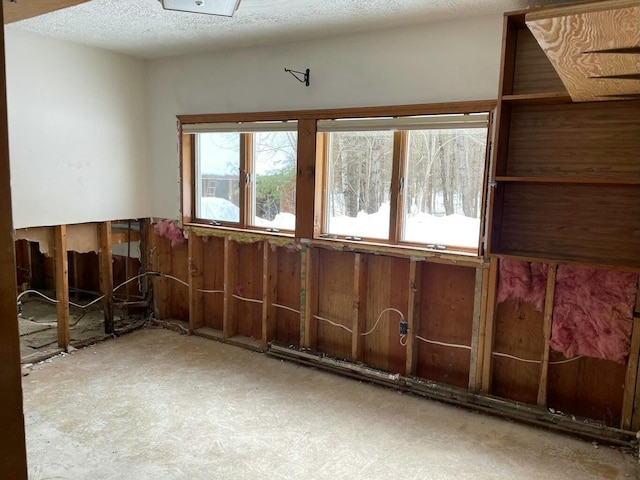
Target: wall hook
305,75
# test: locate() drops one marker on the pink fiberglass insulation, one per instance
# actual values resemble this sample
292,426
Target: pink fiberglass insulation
522,282
593,312
168,229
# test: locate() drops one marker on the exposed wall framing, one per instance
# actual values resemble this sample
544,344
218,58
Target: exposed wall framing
557,198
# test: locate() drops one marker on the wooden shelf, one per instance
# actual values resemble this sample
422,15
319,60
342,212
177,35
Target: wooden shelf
538,98
570,180
546,257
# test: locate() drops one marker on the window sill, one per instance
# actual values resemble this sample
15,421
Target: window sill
402,250
342,244
239,234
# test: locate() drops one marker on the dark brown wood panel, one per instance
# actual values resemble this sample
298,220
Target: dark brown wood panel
83,272
398,299
249,286
590,223
213,259
288,295
179,309
582,140
447,297
122,272
533,72
588,387
23,263
377,344
335,302
518,332
41,268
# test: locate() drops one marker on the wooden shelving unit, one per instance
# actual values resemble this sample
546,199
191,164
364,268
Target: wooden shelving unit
565,176
565,189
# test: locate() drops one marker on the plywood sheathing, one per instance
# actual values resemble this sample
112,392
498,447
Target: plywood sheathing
571,36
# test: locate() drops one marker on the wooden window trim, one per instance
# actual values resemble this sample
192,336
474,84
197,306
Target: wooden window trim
313,206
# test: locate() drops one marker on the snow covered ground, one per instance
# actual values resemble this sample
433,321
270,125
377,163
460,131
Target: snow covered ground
452,230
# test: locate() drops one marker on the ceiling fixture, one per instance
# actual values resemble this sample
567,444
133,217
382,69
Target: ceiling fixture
225,8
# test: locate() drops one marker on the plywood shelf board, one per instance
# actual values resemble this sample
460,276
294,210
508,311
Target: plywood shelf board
595,224
588,140
570,180
567,35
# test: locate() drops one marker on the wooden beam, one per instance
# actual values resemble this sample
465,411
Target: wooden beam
187,177
482,334
552,269
62,285
106,275
269,293
475,357
397,174
487,361
229,320
196,282
23,9
13,459
413,316
630,394
306,178
359,307
308,298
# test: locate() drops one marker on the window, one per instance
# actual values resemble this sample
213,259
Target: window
359,184
245,174
435,198
218,176
415,178
443,181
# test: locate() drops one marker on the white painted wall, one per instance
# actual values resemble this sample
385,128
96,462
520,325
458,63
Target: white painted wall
446,61
77,132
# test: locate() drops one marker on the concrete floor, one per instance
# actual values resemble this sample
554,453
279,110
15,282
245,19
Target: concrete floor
158,405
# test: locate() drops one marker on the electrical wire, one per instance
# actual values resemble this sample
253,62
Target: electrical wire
453,345
375,325
525,360
210,291
245,299
286,308
173,278
333,323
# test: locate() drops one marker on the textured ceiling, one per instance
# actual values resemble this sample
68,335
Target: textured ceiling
141,28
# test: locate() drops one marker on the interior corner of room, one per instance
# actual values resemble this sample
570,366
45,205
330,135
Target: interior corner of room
508,286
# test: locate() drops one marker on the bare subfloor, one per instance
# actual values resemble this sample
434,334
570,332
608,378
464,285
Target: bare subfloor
158,405
38,327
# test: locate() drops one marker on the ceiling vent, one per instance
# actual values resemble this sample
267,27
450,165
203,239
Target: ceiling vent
225,8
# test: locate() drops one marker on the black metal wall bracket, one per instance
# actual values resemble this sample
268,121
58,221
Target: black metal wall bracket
302,77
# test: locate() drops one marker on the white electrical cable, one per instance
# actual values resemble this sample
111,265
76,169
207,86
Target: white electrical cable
525,360
245,299
332,323
560,362
210,291
175,278
506,355
453,345
380,316
286,308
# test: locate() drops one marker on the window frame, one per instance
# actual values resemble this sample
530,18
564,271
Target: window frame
311,178
246,183
397,198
